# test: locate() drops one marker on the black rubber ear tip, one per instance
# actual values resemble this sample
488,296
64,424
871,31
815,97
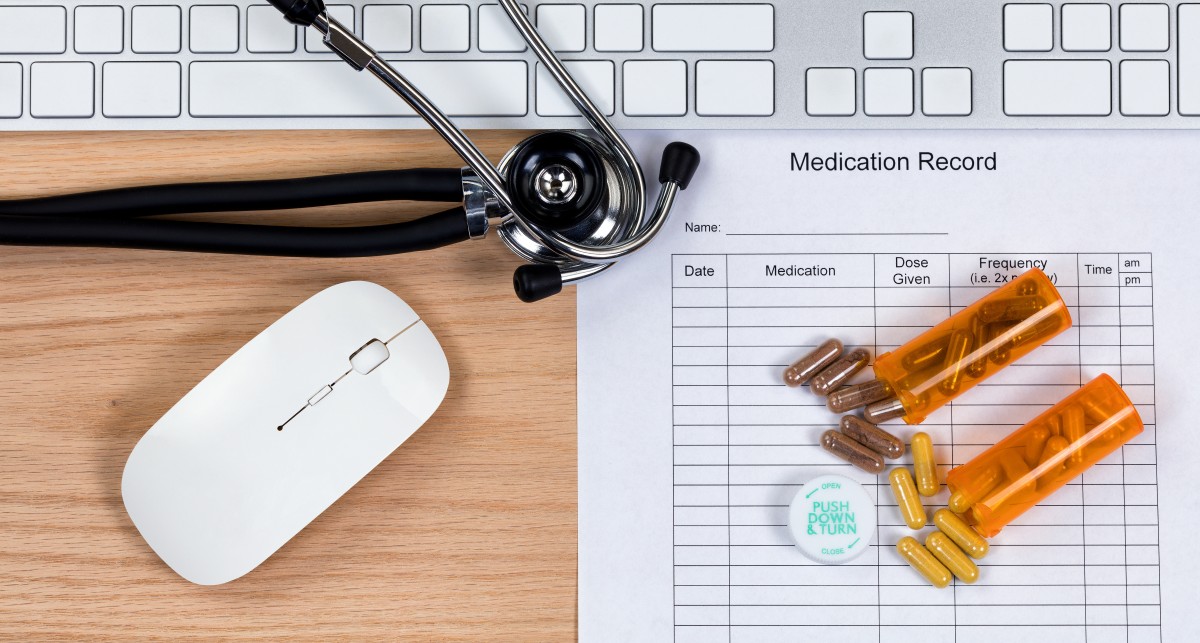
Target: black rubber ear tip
536,282
679,163
300,12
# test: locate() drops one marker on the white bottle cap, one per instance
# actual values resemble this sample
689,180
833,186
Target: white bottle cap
832,519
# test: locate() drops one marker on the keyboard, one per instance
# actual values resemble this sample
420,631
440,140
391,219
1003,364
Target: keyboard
789,64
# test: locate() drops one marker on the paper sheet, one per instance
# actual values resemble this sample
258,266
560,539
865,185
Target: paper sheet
690,447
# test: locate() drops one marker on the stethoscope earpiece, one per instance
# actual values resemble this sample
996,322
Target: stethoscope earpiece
535,282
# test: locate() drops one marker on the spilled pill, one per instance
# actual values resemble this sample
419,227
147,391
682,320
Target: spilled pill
905,492
923,561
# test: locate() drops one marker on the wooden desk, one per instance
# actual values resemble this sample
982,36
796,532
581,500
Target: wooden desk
467,531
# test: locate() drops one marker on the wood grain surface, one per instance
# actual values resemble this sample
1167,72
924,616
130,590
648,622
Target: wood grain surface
468,531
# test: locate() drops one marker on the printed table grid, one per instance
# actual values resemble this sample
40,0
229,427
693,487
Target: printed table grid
1083,566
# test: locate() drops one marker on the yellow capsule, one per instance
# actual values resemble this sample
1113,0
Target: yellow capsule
1035,444
923,561
1011,309
926,356
1027,332
1054,445
969,494
905,491
978,368
1074,427
952,557
961,533
960,344
1015,468
1003,352
924,465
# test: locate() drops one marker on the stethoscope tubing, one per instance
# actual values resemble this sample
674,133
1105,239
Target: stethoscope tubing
426,233
422,184
124,217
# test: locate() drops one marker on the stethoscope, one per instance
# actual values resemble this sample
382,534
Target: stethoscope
570,204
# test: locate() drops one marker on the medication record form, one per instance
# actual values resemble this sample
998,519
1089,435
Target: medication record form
691,447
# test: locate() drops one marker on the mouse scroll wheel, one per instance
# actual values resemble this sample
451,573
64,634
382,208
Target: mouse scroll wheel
369,357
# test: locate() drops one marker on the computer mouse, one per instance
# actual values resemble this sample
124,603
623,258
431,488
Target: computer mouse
280,430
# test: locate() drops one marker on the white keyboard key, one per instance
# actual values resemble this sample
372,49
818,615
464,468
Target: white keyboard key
1145,87
888,91
1028,27
267,32
445,28
713,27
388,28
213,29
33,30
140,89
888,35
314,42
496,31
618,27
61,90
1188,44
329,88
1086,27
946,91
1145,27
563,26
99,30
829,91
655,88
156,29
735,87
10,90
596,77
1057,88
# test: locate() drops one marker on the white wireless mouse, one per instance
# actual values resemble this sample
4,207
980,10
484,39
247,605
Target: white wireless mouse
282,429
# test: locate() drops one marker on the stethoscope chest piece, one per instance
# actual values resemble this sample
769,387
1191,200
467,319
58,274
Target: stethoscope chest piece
565,183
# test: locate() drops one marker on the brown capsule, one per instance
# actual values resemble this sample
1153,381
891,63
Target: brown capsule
846,448
806,367
1027,288
931,354
872,437
1011,309
978,368
881,412
960,345
840,372
852,397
